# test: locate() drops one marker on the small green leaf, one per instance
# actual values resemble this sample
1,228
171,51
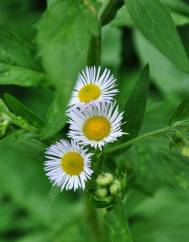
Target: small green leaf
181,112
64,41
154,21
110,10
180,19
117,221
16,51
21,110
20,76
135,108
18,64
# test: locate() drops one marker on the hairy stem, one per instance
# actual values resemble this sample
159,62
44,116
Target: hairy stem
159,132
92,219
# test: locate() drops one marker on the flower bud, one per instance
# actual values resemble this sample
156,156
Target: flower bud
185,151
101,192
104,179
115,187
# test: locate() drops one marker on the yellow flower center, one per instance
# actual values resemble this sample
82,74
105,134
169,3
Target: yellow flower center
89,93
72,163
97,128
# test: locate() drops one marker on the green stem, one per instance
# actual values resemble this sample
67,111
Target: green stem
159,132
92,219
94,58
94,54
20,122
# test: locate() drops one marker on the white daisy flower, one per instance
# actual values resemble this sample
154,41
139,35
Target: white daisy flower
96,124
93,85
68,165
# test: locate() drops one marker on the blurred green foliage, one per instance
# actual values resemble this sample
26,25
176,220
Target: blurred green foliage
32,70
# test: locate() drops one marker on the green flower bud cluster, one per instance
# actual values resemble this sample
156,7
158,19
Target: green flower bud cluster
107,186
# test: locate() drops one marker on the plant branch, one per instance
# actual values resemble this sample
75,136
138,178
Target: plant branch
159,132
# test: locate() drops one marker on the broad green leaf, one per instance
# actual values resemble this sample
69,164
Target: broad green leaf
123,18
21,110
116,219
64,36
23,178
178,6
162,218
18,63
110,10
155,165
171,81
135,107
154,21
181,112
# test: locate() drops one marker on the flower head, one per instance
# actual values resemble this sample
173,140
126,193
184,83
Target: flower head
68,165
104,179
92,86
96,124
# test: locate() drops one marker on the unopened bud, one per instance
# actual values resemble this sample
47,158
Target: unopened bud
115,187
101,192
185,151
104,179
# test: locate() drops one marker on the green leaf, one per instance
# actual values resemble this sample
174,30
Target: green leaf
170,80
154,21
155,166
64,41
22,177
181,112
135,107
177,6
162,218
117,221
110,10
21,110
7,117
180,19
18,64
123,18
55,118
